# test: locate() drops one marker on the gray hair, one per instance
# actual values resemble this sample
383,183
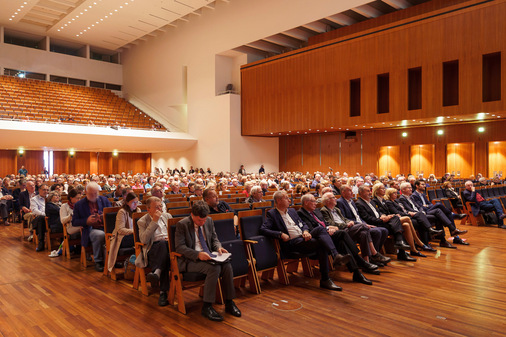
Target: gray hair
278,195
255,189
326,197
92,186
306,198
404,185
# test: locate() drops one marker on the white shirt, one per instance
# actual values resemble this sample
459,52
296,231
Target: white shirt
337,218
294,230
161,232
372,208
38,205
357,217
412,203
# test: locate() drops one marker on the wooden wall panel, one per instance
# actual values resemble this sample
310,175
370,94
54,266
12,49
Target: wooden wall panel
460,159
363,154
422,159
309,88
388,161
8,163
61,161
33,161
497,158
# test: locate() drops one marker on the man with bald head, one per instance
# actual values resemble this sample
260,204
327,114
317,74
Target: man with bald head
88,215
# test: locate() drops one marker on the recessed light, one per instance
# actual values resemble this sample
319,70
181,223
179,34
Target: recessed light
440,132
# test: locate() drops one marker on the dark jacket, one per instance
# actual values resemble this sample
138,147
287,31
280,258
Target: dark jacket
329,218
274,225
53,217
367,214
308,219
81,214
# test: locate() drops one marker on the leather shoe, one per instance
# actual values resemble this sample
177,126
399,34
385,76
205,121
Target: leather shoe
401,245
380,258
211,314
446,244
458,232
99,266
366,265
412,253
232,309
328,284
459,216
341,260
153,279
501,226
360,278
371,271
459,241
40,247
403,256
162,300
433,231
428,248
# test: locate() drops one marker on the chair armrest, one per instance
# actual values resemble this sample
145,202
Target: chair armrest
251,242
139,245
174,254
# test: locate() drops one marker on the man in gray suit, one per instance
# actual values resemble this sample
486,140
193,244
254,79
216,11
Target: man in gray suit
196,239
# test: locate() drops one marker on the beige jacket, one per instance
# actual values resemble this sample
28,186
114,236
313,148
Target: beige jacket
124,226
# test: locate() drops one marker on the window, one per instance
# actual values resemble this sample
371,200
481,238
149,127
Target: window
383,93
491,77
451,83
415,88
355,97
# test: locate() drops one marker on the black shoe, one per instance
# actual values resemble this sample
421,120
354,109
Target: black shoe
40,247
401,245
210,313
403,256
446,244
384,259
428,248
412,253
328,284
341,260
458,232
162,300
360,278
459,216
433,231
368,266
459,241
371,271
119,265
99,266
232,309
153,279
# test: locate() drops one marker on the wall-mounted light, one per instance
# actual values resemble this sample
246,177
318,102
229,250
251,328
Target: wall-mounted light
72,153
21,152
404,134
115,153
481,129
440,132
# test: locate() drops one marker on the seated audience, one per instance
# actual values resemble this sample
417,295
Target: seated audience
215,205
155,253
53,212
255,195
479,203
67,211
4,207
157,191
313,218
284,223
88,215
196,239
123,234
452,195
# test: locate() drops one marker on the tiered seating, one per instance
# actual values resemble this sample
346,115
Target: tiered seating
33,100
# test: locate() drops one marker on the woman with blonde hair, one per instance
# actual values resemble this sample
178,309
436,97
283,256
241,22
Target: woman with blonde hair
389,195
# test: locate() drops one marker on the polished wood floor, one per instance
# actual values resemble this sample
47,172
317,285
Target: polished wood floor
451,293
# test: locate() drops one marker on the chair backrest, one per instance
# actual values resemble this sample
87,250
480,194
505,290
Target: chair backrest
171,230
178,204
250,223
239,259
446,203
110,218
135,218
431,194
224,226
240,207
440,194
180,212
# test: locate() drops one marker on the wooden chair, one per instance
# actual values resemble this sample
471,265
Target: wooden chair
50,235
183,281
178,204
180,212
67,242
140,273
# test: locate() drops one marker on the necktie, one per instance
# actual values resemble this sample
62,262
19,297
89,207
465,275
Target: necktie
203,242
318,220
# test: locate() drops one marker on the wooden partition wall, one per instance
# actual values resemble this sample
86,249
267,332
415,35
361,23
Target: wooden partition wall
80,162
460,159
422,159
423,149
310,89
388,162
497,158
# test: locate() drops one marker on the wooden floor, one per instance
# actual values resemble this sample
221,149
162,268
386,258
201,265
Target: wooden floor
450,293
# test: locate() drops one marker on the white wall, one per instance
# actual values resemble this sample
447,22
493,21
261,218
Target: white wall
153,71
45,62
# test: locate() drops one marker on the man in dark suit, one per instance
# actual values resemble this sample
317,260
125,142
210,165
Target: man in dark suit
284,223
479,203
313,218
435,215
88,215
372,215
422,202
378,234
195,240
336,186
